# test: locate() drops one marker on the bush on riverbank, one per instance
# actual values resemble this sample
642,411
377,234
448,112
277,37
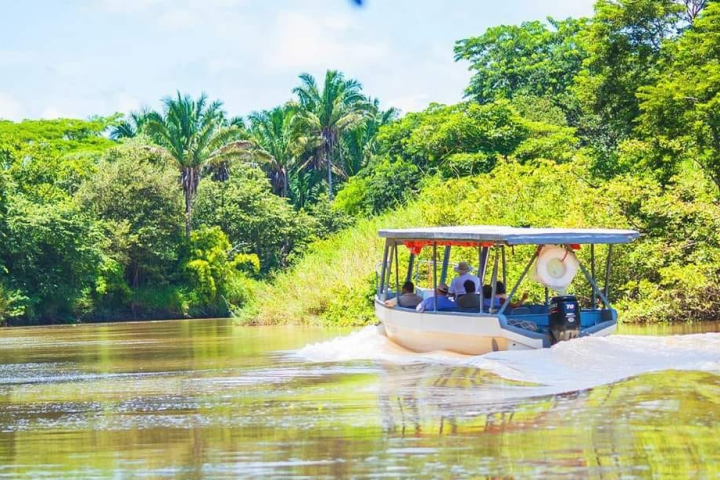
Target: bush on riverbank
332,283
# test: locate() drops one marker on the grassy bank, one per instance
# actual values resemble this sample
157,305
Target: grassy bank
670,274
332,283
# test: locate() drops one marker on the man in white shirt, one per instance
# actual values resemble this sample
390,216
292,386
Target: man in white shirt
457,286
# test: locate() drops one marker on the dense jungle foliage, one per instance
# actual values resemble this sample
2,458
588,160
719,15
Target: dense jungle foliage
609,121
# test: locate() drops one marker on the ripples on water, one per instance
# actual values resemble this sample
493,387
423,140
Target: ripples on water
209,399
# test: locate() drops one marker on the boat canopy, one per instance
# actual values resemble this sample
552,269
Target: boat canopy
489,234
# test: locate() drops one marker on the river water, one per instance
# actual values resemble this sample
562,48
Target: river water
196,399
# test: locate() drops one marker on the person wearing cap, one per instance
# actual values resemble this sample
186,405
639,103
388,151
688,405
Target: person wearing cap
457,286
443,302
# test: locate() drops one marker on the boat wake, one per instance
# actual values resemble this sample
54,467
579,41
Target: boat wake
569,366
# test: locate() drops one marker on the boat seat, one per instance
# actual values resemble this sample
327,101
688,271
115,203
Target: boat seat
467,309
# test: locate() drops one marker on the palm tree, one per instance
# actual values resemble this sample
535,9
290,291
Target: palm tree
130,127
195,134
273,132
360,143
325,115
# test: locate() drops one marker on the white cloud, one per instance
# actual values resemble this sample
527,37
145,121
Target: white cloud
302,41
410,103
124,102
178,19
11,109
127,6
53,112
223,64
9,58
173,15
124,6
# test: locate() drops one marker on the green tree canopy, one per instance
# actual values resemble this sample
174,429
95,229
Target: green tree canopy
531,59
681,112
429,139
54,257
255,220
139,201
48,159
624,41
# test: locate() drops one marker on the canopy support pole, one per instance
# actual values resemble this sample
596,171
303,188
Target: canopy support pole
435,279
446,261
504,265
593,303
397,276
482,264
517,284
481,274
493,281
411,265
594,285
381,283
608,263
388,272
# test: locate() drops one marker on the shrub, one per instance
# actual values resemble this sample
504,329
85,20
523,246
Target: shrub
214,272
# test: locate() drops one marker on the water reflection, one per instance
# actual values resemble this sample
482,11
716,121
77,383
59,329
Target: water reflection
209,399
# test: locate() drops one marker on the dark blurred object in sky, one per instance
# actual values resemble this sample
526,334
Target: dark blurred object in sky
358,3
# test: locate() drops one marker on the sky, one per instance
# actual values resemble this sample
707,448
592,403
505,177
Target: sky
76,58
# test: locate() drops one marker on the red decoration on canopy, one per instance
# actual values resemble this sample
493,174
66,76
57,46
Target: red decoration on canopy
575,246
416,246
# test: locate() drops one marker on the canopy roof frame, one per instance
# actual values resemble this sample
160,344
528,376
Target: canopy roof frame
499,235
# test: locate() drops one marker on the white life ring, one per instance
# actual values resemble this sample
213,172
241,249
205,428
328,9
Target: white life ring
556,267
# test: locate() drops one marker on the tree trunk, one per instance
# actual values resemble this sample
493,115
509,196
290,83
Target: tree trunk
188,182
136,275
285,182
328,147
329,167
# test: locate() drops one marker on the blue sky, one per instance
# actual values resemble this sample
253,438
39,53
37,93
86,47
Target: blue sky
75,58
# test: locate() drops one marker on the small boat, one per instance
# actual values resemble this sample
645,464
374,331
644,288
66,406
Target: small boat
498,326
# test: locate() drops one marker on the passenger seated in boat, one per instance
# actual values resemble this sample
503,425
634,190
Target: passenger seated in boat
501,293
489,300
443,302
469,299
408,297
457,286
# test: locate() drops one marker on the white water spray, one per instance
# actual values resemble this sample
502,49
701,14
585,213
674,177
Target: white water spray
575,365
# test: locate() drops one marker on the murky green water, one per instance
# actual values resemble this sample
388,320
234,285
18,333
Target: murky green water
194,399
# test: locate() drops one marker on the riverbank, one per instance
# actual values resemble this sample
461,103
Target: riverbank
668,275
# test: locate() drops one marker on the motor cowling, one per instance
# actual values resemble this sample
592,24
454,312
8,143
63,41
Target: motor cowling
564,313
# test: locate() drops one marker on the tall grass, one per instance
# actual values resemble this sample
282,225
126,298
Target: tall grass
331,283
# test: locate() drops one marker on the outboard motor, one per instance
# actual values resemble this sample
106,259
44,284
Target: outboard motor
564,316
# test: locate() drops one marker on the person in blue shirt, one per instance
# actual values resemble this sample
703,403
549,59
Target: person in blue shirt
443,302
489,300
501,294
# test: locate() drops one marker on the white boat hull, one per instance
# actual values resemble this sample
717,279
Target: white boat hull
460,333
